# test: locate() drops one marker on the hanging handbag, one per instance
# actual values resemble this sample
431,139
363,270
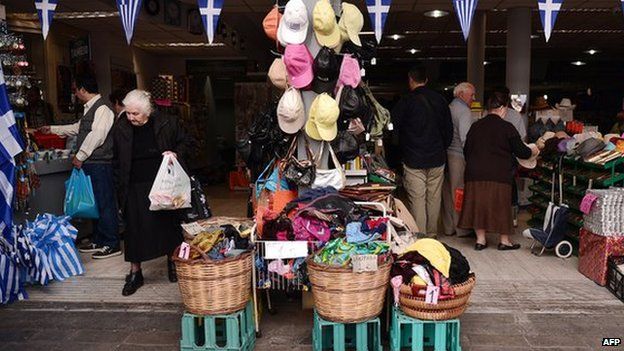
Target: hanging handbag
334,178
271,194
300,172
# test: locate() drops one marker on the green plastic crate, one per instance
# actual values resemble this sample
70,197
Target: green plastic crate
415,334
365,336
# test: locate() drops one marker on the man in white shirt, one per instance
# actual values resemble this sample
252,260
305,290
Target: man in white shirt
95,156
462,121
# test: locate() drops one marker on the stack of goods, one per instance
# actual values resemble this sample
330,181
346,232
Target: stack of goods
591,147
214,269
349,275
603,211
594,253
368,192
432,281
39,251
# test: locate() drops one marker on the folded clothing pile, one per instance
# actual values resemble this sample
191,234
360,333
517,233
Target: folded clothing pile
221,242
339,252
429,262
38,252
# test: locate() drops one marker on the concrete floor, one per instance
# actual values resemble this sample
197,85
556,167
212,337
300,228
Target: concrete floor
520,302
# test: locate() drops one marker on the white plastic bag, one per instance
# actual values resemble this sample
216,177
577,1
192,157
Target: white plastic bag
172,187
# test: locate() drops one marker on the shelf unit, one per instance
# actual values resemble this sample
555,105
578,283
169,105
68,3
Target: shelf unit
578,177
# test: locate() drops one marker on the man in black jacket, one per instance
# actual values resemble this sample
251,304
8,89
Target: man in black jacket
425,128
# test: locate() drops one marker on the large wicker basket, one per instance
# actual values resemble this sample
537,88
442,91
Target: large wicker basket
415,306
342,296
210,287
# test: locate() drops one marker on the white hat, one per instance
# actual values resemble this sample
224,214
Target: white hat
565,104
293,28
532,161
291,112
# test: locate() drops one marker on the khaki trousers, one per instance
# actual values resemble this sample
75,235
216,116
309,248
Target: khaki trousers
454,178
424,190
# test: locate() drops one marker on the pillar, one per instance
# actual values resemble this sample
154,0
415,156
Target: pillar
476,53
519,50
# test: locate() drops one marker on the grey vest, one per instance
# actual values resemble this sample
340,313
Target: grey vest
104,153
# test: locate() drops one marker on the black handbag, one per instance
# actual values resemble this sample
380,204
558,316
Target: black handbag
346,146
200,209
300,172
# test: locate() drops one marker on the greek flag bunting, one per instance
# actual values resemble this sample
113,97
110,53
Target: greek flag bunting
45,10
129,12
548,10
465,13
210,10
378,12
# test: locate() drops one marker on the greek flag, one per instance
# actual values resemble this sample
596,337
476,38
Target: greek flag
465,13
549,9
10,146
129,12
11,287
45,10
210,10
378,12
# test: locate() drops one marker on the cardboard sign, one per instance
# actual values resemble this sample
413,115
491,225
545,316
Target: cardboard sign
185,251
432,295
285,249
192,228
587,203
364,263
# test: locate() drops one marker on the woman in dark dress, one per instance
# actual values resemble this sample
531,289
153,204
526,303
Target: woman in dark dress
141,138
491,145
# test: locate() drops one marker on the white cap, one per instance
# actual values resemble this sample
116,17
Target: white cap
291,112
293,28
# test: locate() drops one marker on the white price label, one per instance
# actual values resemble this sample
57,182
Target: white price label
373,61
379,142
185,251
367,136
432,295
193,228
390,126
285,249
363,72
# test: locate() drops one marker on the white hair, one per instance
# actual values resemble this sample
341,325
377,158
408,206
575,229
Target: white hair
462,88
141,100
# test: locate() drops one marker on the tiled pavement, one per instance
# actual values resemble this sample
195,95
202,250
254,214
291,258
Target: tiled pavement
521,302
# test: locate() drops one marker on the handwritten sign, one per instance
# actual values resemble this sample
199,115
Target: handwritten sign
364,263
193,228
285,249
432,295
587,203
185,251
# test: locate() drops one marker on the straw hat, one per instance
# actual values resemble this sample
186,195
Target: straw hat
531,162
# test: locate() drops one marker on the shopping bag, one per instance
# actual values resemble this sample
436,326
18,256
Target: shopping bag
200,209
172,187
79,197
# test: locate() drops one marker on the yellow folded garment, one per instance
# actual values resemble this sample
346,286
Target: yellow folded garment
435,252
418,281
205,241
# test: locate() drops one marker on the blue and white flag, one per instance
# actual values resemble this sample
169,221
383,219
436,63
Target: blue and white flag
378,12
465,13
45,10
10,146
129,12
210,10
549,9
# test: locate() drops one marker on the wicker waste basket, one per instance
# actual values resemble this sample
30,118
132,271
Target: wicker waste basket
210,287
416,307
342,296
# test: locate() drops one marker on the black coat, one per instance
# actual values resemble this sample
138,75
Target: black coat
169,137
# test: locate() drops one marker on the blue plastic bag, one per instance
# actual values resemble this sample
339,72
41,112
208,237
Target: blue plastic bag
79,197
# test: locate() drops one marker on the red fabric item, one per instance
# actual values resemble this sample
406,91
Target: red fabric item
594,252
49,141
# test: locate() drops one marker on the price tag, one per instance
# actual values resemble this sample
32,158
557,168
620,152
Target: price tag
373,61
193,228
390,126
587,203
363,72
185,251
367,136
432,295
364,263
285,249
379,142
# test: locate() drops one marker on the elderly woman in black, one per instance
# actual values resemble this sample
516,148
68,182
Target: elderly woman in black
491,145
141,139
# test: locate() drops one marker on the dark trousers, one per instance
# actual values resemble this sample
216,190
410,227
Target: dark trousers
106,227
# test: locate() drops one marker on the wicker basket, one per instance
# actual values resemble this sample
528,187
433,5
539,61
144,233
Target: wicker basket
416,307
210,287
342,296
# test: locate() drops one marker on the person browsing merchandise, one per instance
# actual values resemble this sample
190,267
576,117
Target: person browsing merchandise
454,178
94,156
425,129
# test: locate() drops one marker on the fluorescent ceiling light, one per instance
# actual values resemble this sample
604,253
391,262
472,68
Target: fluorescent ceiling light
592,52
179,45
413,51
485,63
578,63
436,13
396,36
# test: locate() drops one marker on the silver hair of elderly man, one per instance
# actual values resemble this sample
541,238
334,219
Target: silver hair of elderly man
462,88
141,100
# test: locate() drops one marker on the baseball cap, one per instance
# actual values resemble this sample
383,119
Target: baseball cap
325,26
271,23
293,28
351,106
298,62
351,23
290,111
349,72
278,75
325,71
322,122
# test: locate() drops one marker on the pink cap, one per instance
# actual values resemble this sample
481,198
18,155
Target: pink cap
298,62
349,72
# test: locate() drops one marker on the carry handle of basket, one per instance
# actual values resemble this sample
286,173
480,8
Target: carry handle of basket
193,247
